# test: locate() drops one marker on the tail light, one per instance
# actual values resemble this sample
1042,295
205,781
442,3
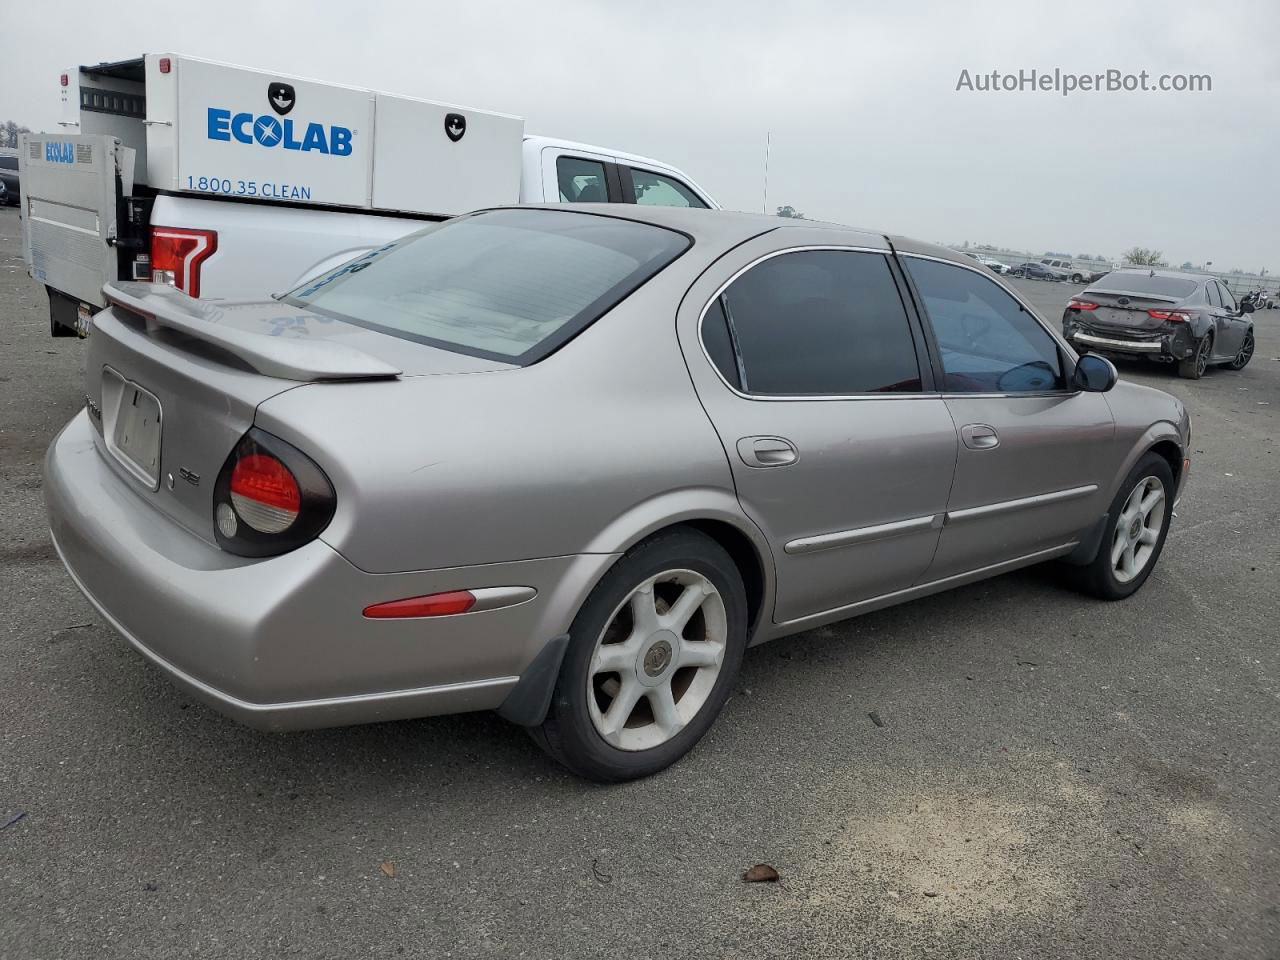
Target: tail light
176,256
1170,316
269,498
1077,304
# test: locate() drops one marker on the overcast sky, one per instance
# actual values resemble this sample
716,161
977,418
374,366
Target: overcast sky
868,127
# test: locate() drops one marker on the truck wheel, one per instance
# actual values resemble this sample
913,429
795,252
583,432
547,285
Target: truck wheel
1137,525
1076,278
1194,367
1246,353
652,657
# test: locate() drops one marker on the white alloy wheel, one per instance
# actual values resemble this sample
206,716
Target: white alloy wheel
657,660
1138,529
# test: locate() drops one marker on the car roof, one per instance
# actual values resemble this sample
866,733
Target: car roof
1172,274
729,228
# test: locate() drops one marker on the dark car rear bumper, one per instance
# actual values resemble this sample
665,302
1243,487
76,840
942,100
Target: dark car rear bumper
1168,346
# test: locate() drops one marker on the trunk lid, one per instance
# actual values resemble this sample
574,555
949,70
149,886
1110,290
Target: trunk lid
173,383
1124,313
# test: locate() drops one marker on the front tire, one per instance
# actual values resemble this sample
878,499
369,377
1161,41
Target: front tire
1137,525
1242,358
1194,367
652,658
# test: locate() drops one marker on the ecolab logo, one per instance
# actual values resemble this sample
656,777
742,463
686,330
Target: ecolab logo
270,132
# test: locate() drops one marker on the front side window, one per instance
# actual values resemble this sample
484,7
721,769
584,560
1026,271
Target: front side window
1212,290
988,342
581,181
511,285
812,323
656,190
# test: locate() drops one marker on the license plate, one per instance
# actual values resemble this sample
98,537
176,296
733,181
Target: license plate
131,426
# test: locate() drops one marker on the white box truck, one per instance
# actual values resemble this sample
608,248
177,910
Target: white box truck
227,181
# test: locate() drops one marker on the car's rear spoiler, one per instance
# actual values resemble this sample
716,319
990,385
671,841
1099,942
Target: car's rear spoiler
1136,295
289,358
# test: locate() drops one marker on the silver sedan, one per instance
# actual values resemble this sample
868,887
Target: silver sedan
569,464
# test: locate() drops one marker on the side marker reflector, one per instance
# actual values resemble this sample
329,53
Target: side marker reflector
432,605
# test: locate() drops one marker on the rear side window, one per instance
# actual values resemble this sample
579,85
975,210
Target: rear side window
510,285
581,181
8,163
719,342
656,190
821,322
988,342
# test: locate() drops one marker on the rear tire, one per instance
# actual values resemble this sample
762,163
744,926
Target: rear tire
636,692
1194,367
1137,525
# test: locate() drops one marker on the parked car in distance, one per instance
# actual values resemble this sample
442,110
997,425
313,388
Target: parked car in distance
1034,271
254,497
994,265
9,176
1184,318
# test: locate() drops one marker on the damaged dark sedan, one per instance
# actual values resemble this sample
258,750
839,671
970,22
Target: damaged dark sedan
1184,318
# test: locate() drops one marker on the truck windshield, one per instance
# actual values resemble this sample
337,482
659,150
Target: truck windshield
510,285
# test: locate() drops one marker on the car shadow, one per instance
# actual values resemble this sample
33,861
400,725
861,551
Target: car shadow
466,752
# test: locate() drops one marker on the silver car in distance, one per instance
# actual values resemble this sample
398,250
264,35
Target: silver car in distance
569,464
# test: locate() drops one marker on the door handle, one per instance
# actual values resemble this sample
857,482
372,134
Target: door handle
979,436
767,451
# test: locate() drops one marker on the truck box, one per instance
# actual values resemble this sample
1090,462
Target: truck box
202,127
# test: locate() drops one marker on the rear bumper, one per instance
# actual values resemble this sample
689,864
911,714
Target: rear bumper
1119,346
281,643
1169,345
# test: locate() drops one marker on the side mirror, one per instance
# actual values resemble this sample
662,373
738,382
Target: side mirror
1246,306
1094,374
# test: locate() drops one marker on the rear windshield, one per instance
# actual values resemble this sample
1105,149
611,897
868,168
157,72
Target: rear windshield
509,285
1145,283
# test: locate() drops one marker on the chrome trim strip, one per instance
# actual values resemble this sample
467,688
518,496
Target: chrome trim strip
845,538
1008,506
1125,346
250,706
495,598
850,609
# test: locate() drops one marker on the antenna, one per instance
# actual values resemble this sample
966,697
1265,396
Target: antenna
764,200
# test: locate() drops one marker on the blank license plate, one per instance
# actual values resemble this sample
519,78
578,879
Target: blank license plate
131,426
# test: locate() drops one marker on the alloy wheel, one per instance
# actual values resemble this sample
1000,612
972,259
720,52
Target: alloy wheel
1202,357
1138,529
1245,354
657,660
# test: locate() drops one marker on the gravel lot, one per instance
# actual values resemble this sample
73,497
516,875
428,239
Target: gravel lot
1055,777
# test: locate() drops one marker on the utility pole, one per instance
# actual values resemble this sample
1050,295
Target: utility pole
764,200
